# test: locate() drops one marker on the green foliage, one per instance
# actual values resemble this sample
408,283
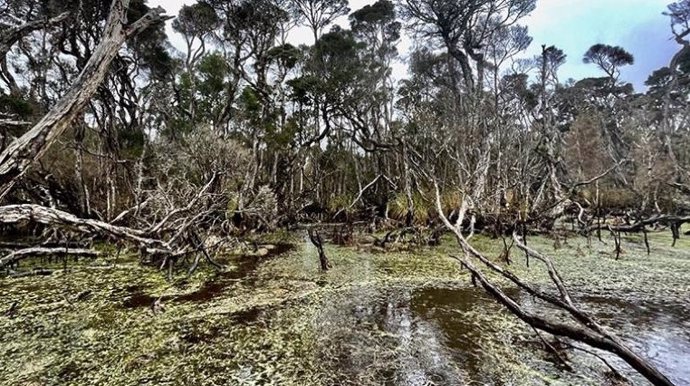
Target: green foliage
608,57
317,14
258,20
422,208
285,55
250,103
131,141
197,19
285,137
679,11
660,80
212,72
335,61
340,202
304,89
377,24
15,105
451,201
618,199
253,112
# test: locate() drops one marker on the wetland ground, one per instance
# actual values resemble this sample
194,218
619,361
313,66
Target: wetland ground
394,318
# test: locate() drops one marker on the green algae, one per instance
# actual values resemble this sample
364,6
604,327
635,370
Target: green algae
375,318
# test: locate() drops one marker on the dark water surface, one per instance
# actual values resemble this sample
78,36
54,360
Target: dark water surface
437,339
215,286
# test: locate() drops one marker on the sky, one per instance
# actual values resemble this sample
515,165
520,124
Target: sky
571,25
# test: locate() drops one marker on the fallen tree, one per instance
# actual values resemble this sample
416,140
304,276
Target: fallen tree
16,214
585,328
15,256
175,235
23,151
183,238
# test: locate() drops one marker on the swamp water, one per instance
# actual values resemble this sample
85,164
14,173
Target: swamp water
396,318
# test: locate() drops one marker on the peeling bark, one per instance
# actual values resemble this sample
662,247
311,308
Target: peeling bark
15,214
16,159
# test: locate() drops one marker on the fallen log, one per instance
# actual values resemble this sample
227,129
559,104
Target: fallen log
603,341
588,330
15,256
639,225
14,214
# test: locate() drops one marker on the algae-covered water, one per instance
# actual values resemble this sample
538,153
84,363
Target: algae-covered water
408,317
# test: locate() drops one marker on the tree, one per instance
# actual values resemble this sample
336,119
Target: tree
377,27
609,59
196,23
244,131
463,28
16,158
318,14
679,12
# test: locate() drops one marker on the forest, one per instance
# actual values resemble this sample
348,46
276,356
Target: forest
244,210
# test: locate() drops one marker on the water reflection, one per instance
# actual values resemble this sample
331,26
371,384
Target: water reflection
401,336
432,336
423,356
659,330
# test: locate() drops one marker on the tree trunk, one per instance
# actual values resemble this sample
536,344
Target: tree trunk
315,238
15,256
604,342
16,159
13,214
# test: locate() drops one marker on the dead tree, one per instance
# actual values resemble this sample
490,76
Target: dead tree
16,159
673,222
593,334
18,214
15,256
315,239
585,330
173,236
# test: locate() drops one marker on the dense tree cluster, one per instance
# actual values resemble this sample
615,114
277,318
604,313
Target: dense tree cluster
325,129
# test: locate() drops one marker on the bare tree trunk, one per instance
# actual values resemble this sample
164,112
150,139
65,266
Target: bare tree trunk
16,159
606,342
409,216
315,238
15,256
13,214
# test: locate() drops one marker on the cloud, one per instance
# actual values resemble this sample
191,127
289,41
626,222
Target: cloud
575,25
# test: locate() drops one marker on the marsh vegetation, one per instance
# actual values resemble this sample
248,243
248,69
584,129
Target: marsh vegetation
399,318
236,209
